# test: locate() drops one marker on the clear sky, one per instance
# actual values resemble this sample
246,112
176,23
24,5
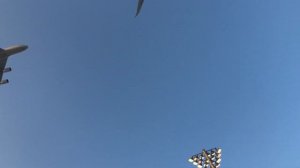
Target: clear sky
100,88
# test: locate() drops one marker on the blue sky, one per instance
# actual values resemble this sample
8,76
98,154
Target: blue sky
100,88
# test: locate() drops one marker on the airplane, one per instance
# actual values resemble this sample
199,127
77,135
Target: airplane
139,7
4,54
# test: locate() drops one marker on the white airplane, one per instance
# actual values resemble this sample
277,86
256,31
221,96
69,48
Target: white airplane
4,54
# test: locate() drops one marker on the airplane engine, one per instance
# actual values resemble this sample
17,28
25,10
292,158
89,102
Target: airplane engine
8,69
4,82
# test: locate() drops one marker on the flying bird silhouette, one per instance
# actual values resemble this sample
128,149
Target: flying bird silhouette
139,7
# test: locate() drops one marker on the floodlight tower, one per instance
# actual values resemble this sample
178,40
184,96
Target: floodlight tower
207,158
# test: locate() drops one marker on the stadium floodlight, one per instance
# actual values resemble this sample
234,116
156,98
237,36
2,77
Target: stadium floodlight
192,159
207,158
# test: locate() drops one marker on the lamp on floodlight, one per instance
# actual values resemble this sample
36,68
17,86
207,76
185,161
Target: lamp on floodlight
207,158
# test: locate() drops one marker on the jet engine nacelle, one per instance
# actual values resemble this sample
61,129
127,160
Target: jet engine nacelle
8,69
4,82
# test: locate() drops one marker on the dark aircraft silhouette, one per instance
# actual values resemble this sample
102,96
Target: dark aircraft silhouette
139,7
4,54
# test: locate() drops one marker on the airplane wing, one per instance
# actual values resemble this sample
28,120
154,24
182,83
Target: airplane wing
2,66
139,7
